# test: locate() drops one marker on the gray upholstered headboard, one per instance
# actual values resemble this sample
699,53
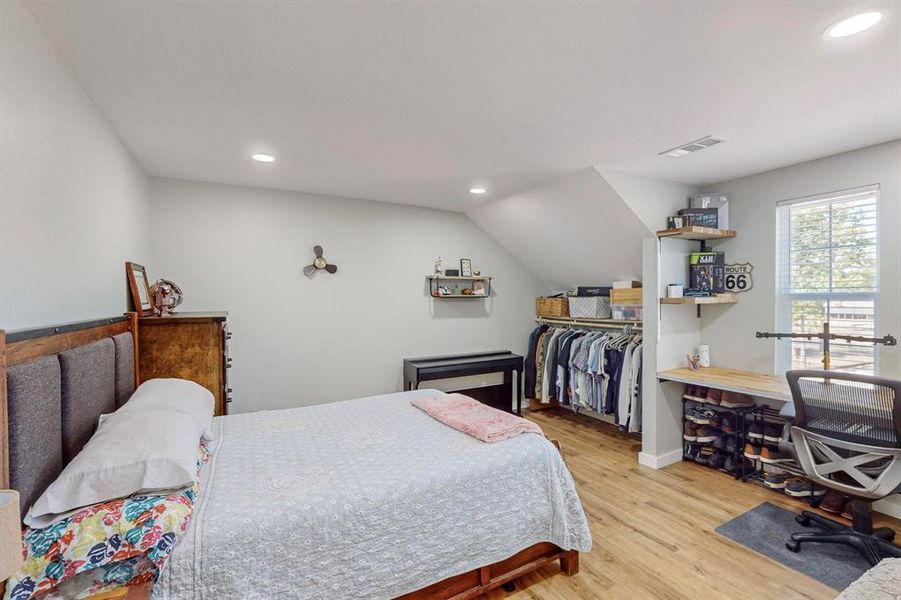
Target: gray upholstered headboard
58,383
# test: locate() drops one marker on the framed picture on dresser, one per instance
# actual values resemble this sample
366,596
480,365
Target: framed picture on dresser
140,288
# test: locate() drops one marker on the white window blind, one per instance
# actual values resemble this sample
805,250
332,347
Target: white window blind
828,270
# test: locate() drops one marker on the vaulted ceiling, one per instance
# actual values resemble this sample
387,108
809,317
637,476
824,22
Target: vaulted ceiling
415,102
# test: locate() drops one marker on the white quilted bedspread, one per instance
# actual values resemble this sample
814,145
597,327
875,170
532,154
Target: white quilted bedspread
368,498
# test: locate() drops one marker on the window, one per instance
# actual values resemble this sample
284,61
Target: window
828,270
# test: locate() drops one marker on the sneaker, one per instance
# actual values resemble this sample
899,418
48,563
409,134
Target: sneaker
703,457
699,393
775,481
736,400
729,463
730,444
701,415
706,434
771,455
803,488
834,502
720,442
755,431
772,434
716,461
690,432
691,451
713,396
752,451
688,394
727,423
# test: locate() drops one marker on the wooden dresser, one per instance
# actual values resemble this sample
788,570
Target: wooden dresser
187,345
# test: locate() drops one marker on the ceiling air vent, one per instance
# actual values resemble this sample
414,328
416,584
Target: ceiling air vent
685,149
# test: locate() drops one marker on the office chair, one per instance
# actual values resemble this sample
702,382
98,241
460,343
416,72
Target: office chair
847,437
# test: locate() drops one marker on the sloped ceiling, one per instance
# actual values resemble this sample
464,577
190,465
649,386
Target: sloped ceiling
581,230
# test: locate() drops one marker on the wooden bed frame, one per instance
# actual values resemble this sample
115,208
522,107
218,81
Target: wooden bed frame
53,340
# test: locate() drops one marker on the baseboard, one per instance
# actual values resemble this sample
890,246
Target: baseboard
890,506
659,462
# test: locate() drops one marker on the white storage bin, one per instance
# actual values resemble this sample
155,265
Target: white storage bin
589,307
626,312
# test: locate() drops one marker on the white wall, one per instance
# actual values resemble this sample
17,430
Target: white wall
652,200
72,199
575,231
752,212
300,341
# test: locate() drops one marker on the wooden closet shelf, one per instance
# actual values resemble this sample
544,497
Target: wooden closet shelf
718,299
697,233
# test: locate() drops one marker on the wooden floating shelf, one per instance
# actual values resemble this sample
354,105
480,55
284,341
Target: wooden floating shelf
478,278
461,296
718,299
697,233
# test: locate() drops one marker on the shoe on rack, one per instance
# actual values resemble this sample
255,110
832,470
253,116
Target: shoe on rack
752,451
691,450
690,432
775,481
713,396
727,423
700,415
720,442
690,393
736,400
703,457
800,487
699,393
772,434
716,461
729,448
729,463
834,502
705,434
771,455
755,431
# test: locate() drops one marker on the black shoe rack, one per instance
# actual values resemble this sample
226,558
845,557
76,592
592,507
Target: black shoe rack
740,466
765,415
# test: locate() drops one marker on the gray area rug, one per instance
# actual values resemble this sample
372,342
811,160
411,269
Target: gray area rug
765,530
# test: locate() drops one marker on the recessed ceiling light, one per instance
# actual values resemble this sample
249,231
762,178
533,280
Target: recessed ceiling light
852,25
263,158
477,190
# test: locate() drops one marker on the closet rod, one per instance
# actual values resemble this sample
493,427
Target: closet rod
590,323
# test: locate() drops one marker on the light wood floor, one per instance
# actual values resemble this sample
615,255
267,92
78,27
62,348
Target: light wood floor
653,530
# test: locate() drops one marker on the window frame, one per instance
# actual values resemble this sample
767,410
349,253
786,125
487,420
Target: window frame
785,299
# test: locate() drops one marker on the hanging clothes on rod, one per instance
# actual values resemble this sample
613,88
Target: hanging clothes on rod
595,366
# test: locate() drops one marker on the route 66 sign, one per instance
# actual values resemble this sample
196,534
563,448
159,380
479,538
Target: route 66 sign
738,277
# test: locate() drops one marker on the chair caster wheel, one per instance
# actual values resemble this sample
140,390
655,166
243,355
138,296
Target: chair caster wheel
803,521
510,586
884,533
793,546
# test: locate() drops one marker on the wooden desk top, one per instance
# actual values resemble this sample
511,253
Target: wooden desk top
733,380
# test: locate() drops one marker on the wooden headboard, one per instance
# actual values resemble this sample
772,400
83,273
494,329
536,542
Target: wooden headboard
20,347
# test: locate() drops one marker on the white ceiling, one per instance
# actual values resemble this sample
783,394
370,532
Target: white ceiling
414,102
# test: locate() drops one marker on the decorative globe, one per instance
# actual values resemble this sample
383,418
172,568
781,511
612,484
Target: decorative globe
170,289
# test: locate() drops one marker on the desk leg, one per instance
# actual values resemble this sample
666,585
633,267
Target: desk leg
516,385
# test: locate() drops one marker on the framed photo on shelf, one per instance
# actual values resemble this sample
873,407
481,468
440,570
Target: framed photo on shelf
140,288
465,267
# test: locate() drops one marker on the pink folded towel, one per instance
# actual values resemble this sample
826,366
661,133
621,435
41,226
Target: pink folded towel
474,418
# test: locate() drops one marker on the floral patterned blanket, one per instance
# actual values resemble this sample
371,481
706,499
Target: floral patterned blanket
104,546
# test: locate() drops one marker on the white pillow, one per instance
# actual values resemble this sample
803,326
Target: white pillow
131,452
176,395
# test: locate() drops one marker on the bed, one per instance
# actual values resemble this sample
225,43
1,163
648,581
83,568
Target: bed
364,498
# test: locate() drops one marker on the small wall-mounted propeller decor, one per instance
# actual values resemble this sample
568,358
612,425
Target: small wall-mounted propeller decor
319,263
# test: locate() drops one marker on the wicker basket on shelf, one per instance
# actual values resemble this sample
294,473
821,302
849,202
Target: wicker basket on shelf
552,307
